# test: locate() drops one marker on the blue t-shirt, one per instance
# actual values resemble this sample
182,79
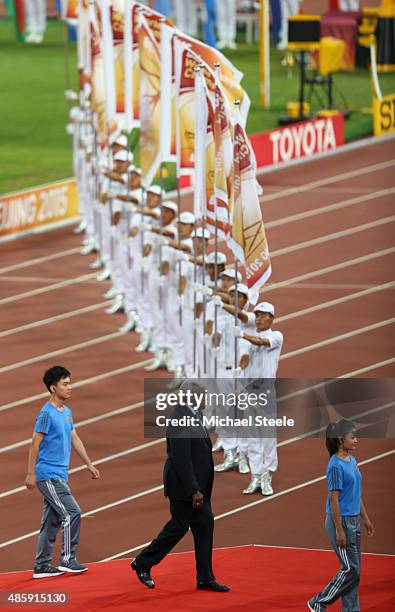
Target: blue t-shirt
54,452
345,477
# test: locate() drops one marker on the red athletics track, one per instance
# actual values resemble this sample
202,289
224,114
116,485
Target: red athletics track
331,284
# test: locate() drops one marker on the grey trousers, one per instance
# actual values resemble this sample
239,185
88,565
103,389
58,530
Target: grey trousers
345,583
60,509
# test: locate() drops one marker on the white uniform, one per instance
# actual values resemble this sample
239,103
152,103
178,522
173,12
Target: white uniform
186,16
129,280
156,287
188,319
226,22
262,452
226,361
118,238
35,16
174,330
139,278
289,8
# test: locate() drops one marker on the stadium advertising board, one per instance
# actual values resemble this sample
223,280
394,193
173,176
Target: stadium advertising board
303,139
384,115
35,209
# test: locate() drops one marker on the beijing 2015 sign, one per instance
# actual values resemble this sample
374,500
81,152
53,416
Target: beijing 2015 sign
384,115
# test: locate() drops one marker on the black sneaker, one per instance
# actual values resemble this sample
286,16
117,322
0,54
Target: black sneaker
73,567
46,571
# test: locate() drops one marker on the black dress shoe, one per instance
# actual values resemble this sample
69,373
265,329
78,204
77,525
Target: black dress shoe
143,575
212,586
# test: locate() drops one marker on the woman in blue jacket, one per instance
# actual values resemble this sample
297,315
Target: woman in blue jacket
344,508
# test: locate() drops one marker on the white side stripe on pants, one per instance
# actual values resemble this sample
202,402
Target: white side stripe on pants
341,578
66,527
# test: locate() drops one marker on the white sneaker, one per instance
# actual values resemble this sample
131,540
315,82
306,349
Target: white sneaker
244,468
158,363
229,463
254,485
217,446
145,342
95,265
109,294
103,275
116,306
266,483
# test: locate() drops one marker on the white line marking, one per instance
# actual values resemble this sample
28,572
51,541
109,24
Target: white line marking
330,208
328,180
60,317
101,339
335,302
62,351
31,279
39,260
328,550
328,341
328,269
373,366
125,500
80,383
335,236
80,468
245,506
33,292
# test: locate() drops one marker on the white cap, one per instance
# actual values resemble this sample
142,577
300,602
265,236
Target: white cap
186,217
198,233
231,273
171,205
122,141
75,113
155,189
135,169
219,259
123,156
265,307
240,289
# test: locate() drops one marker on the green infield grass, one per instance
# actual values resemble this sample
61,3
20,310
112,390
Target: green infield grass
34,146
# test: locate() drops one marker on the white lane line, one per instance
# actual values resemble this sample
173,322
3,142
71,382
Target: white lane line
39,260
30,279
328,550
334,339
335,236
129,498
55,318
119,455
101,339
135,449
48,288
263,500
329,208
80,383
62,351
328,180
369,368
328,269
272,287
90,421
335,302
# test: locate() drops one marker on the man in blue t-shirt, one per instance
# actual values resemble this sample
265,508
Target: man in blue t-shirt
49,459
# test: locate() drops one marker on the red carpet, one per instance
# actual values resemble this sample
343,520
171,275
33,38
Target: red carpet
263,579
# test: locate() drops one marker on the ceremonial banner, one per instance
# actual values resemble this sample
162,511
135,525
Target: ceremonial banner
201,119
247,237
149,90
35,209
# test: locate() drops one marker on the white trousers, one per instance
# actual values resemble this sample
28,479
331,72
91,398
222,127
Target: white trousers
119,257
35,16
261,453
349,5
186,16
289,8
226,20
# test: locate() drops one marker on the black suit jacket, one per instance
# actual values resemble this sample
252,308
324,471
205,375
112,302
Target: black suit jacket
189,466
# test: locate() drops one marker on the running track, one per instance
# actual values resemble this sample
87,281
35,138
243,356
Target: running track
330,226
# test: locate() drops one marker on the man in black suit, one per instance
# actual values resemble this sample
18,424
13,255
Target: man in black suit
188,477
